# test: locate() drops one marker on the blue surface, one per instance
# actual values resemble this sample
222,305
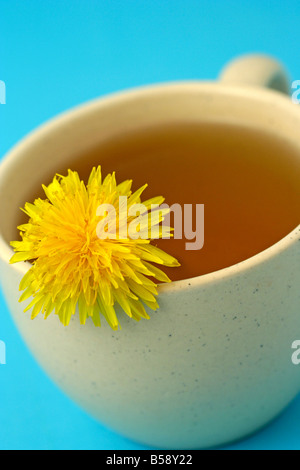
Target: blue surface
55,54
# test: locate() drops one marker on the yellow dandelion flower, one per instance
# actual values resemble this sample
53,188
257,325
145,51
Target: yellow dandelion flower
73,266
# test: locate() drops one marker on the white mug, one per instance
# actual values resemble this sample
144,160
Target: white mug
200,372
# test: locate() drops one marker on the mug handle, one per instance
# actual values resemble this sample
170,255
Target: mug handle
257,70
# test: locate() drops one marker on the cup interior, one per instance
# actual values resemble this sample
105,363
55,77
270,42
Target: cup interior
36,159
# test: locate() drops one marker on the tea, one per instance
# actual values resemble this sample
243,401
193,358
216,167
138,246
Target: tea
247,180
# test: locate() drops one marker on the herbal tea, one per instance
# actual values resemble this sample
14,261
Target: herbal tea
247,180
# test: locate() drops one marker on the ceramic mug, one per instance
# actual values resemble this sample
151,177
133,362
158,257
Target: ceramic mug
214,363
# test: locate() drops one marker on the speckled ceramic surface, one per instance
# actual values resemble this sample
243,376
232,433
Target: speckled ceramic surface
214,363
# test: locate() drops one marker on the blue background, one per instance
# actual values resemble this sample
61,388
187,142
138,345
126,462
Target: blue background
55,54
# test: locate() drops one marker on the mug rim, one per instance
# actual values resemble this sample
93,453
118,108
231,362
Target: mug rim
264,95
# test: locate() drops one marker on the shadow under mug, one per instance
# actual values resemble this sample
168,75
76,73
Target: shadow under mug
200,372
